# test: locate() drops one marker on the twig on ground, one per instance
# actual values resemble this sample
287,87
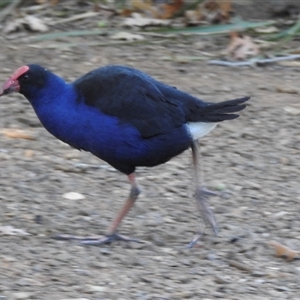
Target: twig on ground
90,44
65,34
88,14
253,62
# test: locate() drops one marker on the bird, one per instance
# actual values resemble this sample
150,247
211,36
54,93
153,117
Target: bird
126,118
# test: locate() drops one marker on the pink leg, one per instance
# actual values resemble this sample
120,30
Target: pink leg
112,235
134,192
201,196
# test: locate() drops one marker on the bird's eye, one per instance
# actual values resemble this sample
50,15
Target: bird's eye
25,77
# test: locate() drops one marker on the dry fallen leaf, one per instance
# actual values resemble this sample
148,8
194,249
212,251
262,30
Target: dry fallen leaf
143,6
10,230
241,47
53,2
287,89
217,11
169,10
140,21
139,6
192,17
212,11
289,63
17,134
284,251
13,26
28,153
127,36
269,29
160,10
35,24
293,111
30,22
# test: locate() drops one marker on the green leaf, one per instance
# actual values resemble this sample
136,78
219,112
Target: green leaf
287,34
58,35
218,29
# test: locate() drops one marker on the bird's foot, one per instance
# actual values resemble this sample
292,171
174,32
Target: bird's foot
194,241
208,193
97,240
202,195
108,239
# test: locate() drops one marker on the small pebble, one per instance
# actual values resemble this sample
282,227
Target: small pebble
73,196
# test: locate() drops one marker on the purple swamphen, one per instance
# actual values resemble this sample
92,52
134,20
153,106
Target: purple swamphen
125,117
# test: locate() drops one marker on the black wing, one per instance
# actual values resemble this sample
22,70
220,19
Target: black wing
151,106
218,112
131,96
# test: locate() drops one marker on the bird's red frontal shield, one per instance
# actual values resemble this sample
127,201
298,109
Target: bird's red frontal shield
12,85
19,72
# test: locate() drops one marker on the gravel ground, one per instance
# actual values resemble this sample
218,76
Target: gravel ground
253,161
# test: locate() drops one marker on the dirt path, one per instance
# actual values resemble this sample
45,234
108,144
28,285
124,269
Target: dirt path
254,160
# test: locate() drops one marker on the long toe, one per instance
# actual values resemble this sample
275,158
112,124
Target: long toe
194,241
96,239
206,192
69,237
108,239
207,215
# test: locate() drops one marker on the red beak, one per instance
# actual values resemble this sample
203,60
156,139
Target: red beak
10,86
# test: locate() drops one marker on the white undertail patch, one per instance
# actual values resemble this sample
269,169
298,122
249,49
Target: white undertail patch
200,129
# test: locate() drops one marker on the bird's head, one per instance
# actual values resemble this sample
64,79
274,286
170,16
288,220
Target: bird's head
25,80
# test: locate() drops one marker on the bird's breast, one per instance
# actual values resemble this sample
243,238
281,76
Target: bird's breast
116,142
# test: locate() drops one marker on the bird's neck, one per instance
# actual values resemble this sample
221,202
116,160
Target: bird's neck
55,92
54,103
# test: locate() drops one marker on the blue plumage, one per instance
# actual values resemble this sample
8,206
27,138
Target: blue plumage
65,115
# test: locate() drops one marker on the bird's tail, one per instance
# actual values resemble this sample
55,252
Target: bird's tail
217,112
